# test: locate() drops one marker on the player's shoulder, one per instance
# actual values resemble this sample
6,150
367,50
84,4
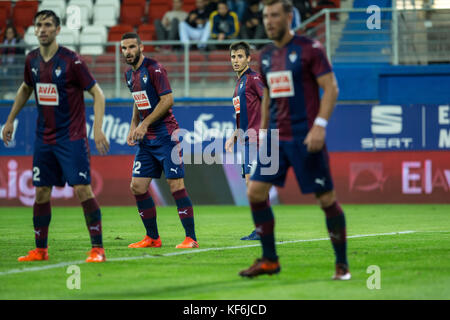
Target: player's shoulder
33,54
267,49
254,76
152,65
306,42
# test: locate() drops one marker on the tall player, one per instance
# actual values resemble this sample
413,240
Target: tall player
58,77
247,106
293,68
152,125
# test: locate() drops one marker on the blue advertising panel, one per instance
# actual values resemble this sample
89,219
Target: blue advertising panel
351,128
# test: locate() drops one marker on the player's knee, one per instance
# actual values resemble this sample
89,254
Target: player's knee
43,194
175,184
137,188
326,199
255,195
83,192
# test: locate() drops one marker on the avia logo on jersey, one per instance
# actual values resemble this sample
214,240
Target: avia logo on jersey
280,84
386,127
47,94
141,100
237,104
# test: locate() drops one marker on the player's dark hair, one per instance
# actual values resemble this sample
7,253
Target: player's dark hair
47,14
241,45
132,35
287,4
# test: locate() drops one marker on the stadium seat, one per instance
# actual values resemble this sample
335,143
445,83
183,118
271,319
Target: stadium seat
59,7
30,39
68,37
147,33
219,72
92,40
5,6
219,55
4,17
105,15
188,5
115,34
88,59
157,11
131,14
104,68
111,3
23,13
141,3
85,10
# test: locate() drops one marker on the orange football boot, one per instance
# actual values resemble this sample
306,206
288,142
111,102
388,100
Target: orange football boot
96,255
37,254
261,266
187,244
147,242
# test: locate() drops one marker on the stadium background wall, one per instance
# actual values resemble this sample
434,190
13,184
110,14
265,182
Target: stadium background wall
378,154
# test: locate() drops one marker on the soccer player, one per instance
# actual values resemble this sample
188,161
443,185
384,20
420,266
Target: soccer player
58,77
247,106
293,68
152,125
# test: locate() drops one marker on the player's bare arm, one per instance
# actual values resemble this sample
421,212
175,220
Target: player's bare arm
315,139
101,142
231,141
164,104
23,94
265,115
133,125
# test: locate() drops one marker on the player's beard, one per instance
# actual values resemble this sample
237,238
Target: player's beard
279,35
136,59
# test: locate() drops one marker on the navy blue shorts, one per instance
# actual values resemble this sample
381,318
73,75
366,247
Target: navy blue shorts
312,170
56,164
151,161
248,156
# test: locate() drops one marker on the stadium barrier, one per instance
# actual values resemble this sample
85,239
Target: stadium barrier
378,154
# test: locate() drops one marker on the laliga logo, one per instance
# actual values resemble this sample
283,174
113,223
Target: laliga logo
18,184
367,176
112,127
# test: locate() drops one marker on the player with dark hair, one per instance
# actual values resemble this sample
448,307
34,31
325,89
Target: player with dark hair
152,125
58,77
247,106
293,68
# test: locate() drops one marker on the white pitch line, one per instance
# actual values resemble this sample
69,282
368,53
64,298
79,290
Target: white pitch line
171,254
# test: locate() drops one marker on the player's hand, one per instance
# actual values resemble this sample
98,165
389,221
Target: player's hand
101,142
229,144
130,140
315,139
7,132
139,132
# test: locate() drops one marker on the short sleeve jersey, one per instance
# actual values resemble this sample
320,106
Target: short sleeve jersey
247,100
58,87
147,84
290,73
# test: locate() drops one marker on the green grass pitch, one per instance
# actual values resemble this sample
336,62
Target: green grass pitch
412,265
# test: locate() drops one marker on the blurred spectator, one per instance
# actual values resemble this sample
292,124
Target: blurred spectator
196,26
296,20
167,28
305,8
224,23
252,26
8,55
239,6
211,6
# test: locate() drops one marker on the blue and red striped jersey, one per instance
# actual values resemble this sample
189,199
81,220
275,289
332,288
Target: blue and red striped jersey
147,84
247,100
58,87
290,73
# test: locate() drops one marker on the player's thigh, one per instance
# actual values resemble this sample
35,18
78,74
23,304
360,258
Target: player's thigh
74,158
312,170
46,168
139,185
146,164
171,159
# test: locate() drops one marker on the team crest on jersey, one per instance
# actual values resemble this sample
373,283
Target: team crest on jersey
144,78
141,100
58,71
47,94
293,56
281,84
